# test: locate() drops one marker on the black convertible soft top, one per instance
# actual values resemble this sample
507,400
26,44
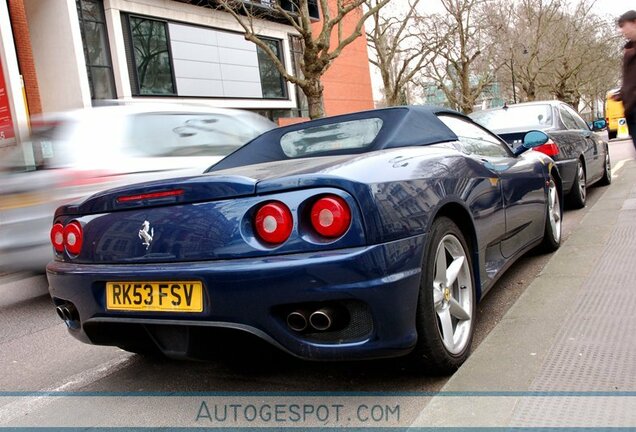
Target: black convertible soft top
401,127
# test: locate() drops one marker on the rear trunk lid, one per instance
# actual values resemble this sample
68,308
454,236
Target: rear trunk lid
167,192
207,217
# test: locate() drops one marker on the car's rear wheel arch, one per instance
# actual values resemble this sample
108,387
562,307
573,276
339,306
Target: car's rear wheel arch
578,193
461,217
584,165
554,172
446,307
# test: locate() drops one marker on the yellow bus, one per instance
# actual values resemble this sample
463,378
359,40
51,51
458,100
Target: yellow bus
613,112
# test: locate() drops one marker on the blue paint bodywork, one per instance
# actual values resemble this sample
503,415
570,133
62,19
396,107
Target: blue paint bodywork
206,234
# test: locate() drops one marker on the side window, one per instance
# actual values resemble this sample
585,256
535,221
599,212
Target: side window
568,119
580,123
185,134
475,140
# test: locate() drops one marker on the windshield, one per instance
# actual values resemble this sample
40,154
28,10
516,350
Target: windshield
515,118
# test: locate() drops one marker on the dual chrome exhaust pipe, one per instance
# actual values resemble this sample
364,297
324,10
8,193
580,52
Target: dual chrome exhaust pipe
67,313
321,320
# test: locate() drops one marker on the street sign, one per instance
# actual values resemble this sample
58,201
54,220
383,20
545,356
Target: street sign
622,131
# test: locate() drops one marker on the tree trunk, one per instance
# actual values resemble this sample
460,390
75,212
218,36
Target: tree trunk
392,99
314,92
466,101
530,91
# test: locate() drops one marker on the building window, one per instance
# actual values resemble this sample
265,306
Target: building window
312,7
149,40
174,59
96,49
287,5
272,81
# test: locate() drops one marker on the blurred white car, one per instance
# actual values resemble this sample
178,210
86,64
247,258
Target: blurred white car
78,153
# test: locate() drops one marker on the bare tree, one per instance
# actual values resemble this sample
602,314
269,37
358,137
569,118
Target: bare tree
557,49
400,50
531,44
464,67
320,48
587,52
603,72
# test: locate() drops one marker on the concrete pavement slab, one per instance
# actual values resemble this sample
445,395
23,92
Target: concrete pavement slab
565,353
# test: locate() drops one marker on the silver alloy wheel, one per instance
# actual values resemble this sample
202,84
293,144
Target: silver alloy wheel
581,182
453,294
554,211
608,166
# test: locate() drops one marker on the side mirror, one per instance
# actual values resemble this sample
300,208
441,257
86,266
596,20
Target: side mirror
532,139
598,125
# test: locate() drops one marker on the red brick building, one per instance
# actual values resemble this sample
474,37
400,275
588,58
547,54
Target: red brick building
348,80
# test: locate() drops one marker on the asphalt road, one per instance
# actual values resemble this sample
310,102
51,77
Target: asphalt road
37,354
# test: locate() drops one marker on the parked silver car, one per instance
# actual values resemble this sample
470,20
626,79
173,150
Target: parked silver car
78,153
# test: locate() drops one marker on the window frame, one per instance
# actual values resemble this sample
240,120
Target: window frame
136,89
89,67
566,118
575,116
281,58
496,139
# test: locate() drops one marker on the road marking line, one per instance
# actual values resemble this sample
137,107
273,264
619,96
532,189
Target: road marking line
618,166
28,405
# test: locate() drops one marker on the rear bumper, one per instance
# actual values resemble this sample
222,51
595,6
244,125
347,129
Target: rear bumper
377,285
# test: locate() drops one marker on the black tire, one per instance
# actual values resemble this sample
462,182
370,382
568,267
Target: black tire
606,180
553,220
578,194
611,134
454,305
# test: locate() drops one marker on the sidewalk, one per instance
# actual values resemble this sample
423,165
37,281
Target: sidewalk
565,353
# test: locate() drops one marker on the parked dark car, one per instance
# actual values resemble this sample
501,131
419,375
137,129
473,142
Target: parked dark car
365,235
581,155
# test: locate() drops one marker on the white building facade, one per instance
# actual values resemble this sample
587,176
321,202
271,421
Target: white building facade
87,51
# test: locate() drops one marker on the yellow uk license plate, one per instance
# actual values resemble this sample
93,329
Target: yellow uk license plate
165,296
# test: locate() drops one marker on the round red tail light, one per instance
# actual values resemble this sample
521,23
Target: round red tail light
57,237
330,216
274,222
73,238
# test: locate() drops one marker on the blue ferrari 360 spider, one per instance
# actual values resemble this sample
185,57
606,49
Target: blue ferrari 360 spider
364,235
